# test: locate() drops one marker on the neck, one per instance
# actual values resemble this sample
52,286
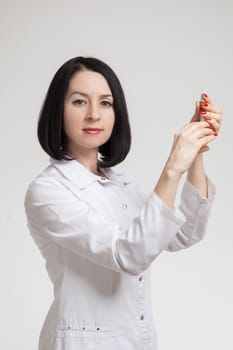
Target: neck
88,159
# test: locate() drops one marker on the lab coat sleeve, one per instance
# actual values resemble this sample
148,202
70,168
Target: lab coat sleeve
58,216
196,210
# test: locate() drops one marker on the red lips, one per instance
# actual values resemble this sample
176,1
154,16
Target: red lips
92,130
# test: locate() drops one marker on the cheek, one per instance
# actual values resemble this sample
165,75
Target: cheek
70,119
111,120
68,124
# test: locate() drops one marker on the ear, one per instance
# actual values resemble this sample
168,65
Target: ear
196,115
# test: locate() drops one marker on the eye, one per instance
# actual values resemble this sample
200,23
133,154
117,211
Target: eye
107,103
78,102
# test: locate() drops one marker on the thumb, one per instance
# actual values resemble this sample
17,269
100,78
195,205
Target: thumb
196,115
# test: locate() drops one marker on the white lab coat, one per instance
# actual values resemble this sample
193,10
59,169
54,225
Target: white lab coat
99,237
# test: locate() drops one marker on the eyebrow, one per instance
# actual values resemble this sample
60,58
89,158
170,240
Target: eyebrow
86,95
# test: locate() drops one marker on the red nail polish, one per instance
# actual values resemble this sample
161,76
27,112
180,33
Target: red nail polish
205,104
203,112
208,118
205,95
215,134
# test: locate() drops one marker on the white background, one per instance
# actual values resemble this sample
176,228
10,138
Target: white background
162,53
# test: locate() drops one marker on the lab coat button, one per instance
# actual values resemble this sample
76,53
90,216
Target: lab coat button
140,278
124,206
142,318
103,178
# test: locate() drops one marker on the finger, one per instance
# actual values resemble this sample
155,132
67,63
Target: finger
205,106
196,115
192,126
203,141
200,133
213,123
204,149
215,116
206,98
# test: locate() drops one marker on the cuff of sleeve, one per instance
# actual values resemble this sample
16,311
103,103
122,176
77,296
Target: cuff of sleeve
189,191
174,214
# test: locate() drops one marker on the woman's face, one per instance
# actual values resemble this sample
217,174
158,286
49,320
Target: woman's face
88,112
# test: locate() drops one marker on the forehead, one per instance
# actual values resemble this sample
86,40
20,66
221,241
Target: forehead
89,82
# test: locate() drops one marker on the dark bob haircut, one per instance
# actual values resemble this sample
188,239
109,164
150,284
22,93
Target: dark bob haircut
50,129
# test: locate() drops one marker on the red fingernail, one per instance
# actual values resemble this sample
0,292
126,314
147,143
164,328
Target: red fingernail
205,104
215,134
203,112
205,95
208,118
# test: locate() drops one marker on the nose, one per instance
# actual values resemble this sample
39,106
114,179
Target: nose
93,113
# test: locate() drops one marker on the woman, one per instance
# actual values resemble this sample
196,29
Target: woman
96,230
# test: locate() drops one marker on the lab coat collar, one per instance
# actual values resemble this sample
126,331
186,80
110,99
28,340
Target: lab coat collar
83,177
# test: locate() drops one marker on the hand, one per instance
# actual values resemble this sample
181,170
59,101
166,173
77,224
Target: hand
185,155
187,144
210,113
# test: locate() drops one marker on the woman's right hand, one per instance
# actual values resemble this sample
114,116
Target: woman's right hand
187,144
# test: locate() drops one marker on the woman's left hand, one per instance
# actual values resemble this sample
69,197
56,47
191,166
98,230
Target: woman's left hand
210,113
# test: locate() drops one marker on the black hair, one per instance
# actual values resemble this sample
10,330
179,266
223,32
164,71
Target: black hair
50,128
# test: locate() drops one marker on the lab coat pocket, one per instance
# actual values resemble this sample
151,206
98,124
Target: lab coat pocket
84,331
73,337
